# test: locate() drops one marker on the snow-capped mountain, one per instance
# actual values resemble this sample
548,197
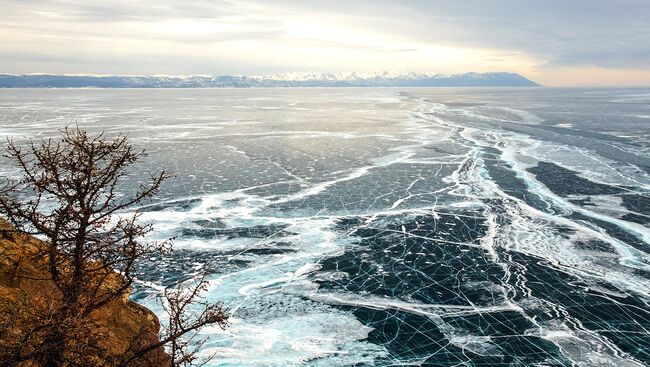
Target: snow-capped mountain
352,79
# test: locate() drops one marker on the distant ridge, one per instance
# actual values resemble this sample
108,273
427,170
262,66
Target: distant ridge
288,80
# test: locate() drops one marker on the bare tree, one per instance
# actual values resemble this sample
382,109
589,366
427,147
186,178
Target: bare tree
69,194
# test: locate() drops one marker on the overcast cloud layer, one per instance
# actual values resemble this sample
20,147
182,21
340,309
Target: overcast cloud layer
578,42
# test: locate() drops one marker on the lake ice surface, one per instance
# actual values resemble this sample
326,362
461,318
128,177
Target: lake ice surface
392,227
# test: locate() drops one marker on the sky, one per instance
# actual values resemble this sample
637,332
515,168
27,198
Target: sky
553,42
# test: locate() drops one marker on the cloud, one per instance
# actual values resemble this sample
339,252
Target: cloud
336,35
578,32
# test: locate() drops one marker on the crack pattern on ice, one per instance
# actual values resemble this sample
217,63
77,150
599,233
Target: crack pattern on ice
387,228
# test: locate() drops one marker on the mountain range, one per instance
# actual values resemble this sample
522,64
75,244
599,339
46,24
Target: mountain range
286,80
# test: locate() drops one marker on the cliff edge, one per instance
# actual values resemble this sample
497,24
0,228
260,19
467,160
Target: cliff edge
27,293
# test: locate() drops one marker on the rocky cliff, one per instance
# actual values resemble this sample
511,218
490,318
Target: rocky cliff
27,296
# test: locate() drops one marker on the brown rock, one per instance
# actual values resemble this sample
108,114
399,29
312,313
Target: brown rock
27,294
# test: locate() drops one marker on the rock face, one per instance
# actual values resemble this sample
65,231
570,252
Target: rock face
27,292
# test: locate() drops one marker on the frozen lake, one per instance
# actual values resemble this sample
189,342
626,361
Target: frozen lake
390,227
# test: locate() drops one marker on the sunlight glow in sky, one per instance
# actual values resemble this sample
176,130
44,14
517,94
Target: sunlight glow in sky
557,43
